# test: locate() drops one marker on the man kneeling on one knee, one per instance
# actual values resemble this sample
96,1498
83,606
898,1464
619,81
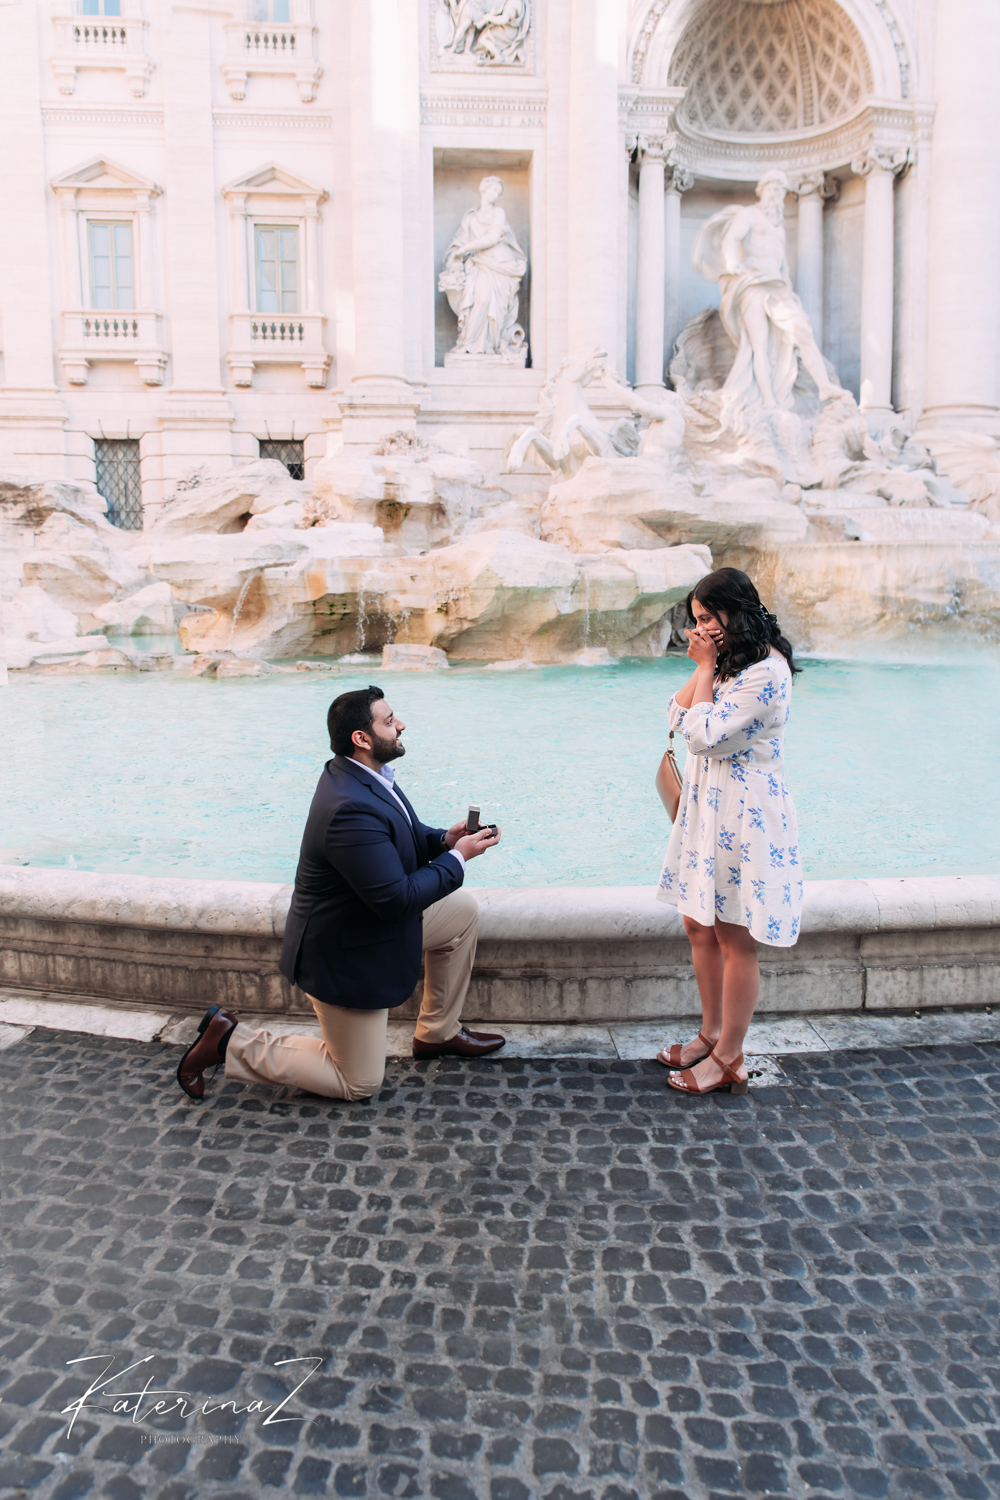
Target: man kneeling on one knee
375,888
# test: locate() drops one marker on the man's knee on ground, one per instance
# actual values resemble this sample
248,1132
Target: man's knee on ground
364,1084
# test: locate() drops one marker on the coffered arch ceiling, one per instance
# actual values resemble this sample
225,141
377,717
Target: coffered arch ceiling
757,67
763,66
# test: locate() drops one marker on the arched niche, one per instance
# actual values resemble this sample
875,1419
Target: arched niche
664,28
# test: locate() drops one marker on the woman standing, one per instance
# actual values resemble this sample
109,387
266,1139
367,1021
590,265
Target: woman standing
732,867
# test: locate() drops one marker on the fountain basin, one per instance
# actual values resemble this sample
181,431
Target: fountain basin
603,954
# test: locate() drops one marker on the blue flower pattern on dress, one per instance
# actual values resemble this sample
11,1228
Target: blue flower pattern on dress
735,784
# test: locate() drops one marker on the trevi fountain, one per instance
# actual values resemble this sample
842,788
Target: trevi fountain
525,320
755,456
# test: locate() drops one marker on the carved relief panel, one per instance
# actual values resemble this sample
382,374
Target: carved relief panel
470,36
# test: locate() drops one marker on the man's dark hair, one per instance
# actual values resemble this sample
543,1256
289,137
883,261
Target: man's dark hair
349,712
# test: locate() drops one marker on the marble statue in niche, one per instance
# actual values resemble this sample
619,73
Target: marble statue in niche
743,249
481,276
493,32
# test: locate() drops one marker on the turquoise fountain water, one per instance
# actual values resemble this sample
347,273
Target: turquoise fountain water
893,768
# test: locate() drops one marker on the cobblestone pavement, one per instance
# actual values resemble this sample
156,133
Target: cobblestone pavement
518,1279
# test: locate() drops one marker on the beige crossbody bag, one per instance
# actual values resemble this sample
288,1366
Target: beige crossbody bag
669,780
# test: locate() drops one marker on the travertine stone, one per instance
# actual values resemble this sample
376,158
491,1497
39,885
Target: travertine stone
414,658
593,954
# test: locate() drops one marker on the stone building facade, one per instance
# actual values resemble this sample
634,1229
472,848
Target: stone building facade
225,220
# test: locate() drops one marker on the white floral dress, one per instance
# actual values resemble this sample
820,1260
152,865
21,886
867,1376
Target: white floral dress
734,849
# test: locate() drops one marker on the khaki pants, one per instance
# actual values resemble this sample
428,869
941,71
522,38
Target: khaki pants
349,1061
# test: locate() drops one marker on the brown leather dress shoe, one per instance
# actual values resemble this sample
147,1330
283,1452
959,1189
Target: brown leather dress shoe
206,1052
463,1044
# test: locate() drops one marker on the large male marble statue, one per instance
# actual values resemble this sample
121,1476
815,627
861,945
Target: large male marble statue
482,272
743,249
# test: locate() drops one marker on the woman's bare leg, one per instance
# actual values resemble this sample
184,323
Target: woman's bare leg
706,956
740,989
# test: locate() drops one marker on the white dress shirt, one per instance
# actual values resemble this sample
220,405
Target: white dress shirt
387,775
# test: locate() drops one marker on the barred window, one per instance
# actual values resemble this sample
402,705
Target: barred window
117,462
292,455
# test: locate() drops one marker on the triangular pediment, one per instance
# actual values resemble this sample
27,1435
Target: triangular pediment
274,181
102,172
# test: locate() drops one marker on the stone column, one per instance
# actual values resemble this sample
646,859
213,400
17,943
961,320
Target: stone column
681,180
650,265
810,250
595,170
963,281
878,166
378,397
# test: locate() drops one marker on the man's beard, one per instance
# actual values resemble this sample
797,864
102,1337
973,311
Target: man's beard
385,750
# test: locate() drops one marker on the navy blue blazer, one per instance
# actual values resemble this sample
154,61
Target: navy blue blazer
354,931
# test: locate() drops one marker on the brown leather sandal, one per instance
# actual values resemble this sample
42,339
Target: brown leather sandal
730,1079
670,1057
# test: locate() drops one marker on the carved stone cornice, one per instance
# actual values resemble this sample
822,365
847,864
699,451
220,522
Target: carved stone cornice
887,126
243,119
502,111
648,113
100,114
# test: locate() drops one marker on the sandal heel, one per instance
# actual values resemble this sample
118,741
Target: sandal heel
730,1079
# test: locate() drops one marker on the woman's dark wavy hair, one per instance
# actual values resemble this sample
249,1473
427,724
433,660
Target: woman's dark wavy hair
751,630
